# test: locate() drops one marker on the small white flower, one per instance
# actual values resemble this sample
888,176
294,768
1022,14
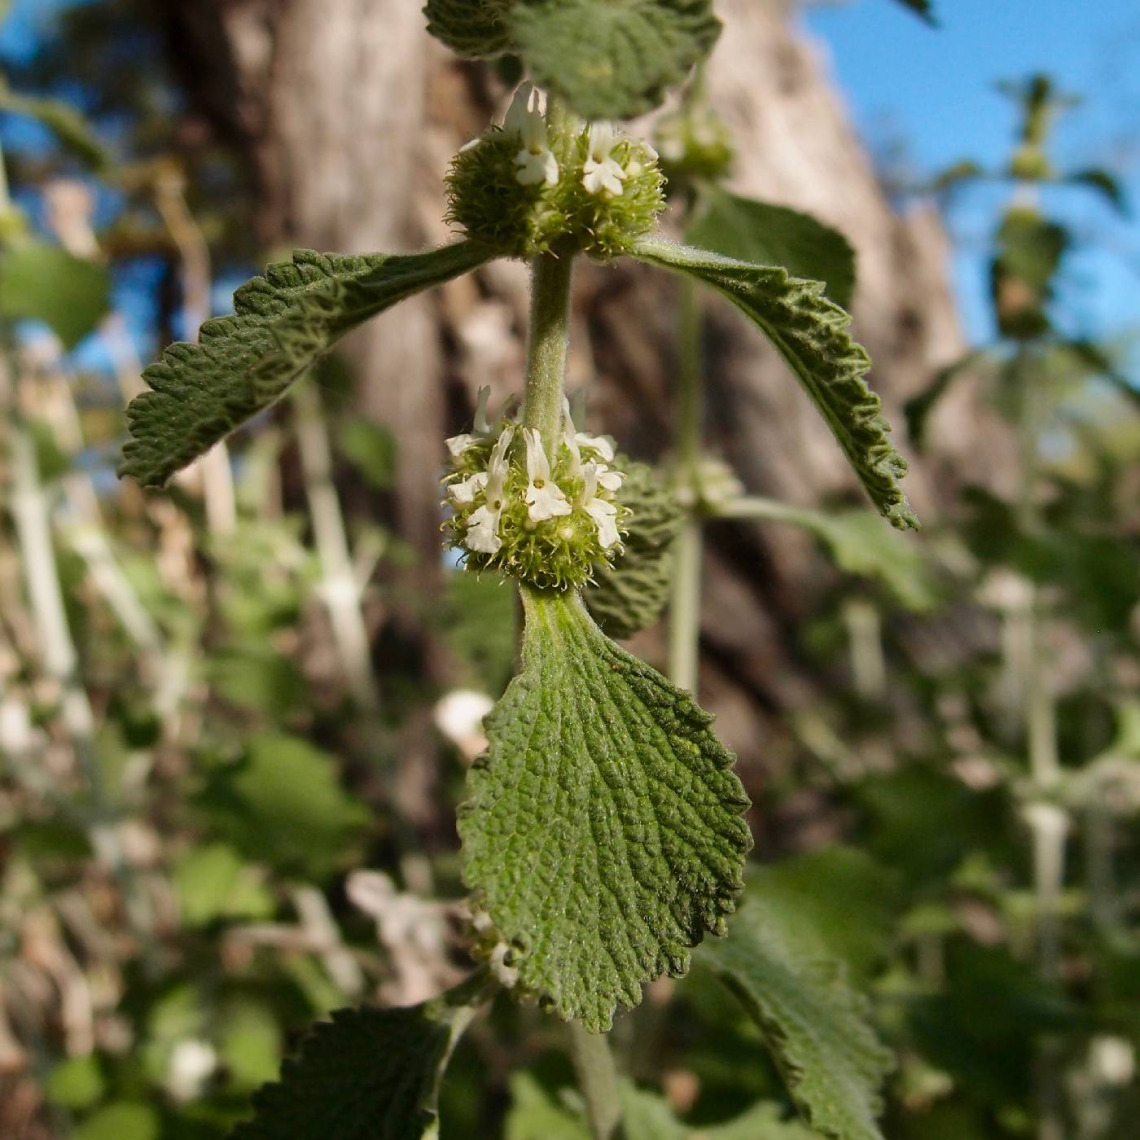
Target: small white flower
191,1065
570,438
482,533
602,512
465,492
602,444
610,480
458,444
482,427
544,497
524,103
601,172
535,167
470,145
535,162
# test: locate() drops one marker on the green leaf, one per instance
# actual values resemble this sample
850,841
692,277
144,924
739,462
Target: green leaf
964,170
775,235
214,882
123,1120
536,1115
368,1074
603,831
859,545
836,902
46,283
77,1083
631,594
1104,183
923,8
810,333
282,324
611,59
918,408
70,128
284,804
813,1023
646,1116
471,28
371,448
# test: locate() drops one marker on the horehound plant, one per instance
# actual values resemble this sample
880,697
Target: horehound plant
603,833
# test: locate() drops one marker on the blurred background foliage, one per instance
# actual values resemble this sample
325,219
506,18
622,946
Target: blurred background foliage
231,758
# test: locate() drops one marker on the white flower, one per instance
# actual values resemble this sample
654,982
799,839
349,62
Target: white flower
601,171
544,497
465,492
191,1065
535,162
482,533
536,166
610,480
602,512
602,444
570,438
482,427
458,444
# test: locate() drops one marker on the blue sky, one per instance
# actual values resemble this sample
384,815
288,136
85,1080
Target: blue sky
933,90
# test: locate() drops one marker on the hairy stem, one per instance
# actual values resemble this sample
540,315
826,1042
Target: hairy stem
685,602
597,1078
550,279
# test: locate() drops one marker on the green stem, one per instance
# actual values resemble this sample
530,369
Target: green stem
597,1079
1048,822
550,279
339,589
685,602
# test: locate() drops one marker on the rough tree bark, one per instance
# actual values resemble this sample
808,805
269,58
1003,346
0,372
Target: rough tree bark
348,114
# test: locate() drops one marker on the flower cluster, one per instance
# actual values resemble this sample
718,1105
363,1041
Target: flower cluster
548,520
695,143
538,182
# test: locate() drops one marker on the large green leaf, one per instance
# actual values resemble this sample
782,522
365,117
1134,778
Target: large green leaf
46,283
810,333
283,804
368,1074
606,59
282,324
836,902
603,831
612,59
472,28
813,1023
775,235
859,545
